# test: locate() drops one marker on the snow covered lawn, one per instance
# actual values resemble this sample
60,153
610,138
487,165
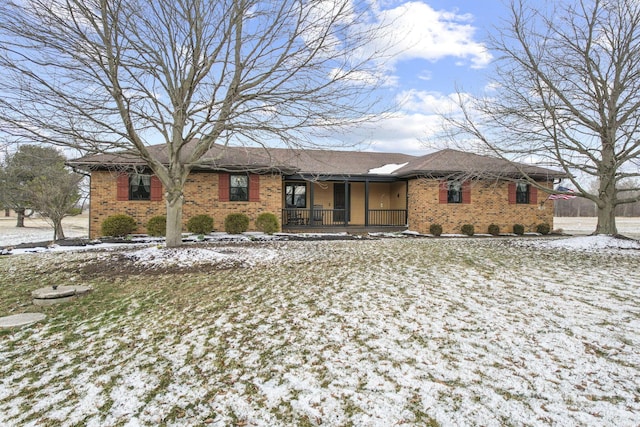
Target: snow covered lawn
368,333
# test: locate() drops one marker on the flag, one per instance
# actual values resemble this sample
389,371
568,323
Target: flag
562,196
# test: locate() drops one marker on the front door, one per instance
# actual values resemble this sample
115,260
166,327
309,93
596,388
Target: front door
340,203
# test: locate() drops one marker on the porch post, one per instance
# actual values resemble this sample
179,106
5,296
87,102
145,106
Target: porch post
346,202
406,203
311,202
366,202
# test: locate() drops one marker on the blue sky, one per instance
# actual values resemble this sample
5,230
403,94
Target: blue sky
444,48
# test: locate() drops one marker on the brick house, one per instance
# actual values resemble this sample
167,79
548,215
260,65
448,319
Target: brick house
313,190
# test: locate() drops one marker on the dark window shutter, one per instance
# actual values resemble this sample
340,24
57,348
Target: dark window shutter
533,195
512,193
156,189
254,187
223,187
466,192
123,187
442,196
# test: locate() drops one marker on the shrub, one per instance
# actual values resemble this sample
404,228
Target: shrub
157,226
494,229
518,229
435,229
468,229
543,228
118,225
236,223
200,224
267,223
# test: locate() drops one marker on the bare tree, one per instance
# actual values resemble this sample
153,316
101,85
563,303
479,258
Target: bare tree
105,74
567,87
56,199
35,177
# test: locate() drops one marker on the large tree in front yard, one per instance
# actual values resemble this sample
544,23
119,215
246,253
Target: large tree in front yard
567,91
108,74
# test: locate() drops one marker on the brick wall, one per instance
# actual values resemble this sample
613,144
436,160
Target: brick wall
489,204
201,197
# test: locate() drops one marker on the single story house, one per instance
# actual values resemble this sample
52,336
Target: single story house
330,190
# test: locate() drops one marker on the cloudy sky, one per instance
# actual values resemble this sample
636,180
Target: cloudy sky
443,49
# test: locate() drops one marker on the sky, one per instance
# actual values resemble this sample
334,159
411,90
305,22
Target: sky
444,50
441,48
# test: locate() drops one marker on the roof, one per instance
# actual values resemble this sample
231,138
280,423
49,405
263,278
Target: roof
454,162
320,163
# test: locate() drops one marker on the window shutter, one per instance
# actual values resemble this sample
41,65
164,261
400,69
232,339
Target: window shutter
533,195
442,196
466,192
254,187
156,189
512,193
223,187
122,193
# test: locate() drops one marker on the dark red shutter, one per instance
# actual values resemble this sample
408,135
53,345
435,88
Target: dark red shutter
254,187
223,187
512,193
443,193
156,189
533,195
123,187
466,192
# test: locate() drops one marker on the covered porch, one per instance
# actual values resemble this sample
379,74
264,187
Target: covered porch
350,204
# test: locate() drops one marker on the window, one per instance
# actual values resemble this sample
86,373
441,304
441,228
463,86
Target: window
522,193
139,187
454,192
295,195
239,188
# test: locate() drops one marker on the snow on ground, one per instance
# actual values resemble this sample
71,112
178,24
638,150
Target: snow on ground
38,230
368,333
581,243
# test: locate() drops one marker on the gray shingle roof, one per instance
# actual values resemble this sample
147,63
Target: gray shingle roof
329,162
451,162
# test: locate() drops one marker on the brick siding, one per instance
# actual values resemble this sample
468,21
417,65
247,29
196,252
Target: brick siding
200,194
489,205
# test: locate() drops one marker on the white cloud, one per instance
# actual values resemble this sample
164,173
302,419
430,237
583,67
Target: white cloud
426,101
419,31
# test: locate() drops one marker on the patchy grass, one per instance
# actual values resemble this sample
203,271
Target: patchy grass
382,332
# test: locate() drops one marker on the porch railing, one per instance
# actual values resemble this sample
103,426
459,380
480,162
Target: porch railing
294,217
387,217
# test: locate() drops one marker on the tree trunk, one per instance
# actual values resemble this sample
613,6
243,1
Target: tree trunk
7,212
20,213
58,232
606,206
174,219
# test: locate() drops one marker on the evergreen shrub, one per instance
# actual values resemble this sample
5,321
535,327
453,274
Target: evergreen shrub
118,225
200,224
236,223
267,223
543,228
518,229
494,229
435,229
468,229
157,226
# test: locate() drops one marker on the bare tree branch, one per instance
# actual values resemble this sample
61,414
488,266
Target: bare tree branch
567,93
100,75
